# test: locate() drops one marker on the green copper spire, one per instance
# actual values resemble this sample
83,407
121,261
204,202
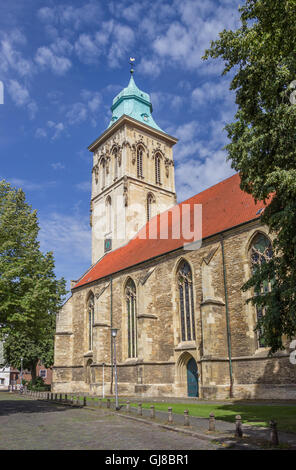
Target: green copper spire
134,103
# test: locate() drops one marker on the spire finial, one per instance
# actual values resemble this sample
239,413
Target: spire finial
132,60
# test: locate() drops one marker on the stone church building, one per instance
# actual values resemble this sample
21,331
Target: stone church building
184,327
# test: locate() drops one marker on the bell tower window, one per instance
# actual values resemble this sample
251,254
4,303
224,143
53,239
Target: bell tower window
157,169
115,154
150,200
140,162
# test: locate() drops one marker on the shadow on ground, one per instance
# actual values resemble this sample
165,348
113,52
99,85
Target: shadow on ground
20,405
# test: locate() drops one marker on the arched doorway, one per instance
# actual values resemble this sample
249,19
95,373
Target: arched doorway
192,378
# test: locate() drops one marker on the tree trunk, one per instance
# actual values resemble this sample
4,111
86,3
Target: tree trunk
33,371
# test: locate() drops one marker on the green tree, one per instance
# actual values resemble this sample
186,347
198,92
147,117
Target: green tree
261,55
30,294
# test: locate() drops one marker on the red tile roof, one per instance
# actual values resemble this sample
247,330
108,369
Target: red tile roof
224,206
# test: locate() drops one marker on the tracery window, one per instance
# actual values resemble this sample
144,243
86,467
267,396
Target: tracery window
261,252
150,200
115,154
130,292
103,173
157,169
184,276
108,214
140,162
91,314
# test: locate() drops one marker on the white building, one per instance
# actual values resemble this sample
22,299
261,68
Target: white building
4,371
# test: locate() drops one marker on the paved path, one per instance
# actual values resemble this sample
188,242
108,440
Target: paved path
27,424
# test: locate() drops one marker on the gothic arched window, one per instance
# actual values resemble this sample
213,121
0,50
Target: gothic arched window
184,276
150,200
115,154
103,172
91,315
140,162
108,214
157,169
260,253
130,293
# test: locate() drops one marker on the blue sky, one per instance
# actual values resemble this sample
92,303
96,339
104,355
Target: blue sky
62,63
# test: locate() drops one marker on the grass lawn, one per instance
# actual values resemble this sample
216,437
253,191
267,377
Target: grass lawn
257,415
254,414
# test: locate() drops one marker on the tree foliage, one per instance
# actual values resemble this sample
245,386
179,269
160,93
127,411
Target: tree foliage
30,294
261,54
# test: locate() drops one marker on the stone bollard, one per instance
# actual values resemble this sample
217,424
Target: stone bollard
170,415
47,396
55,397
84,401
108,403
152,411
274,438
72,399
128,406
66,398
212,422
140,411
186,418
78,400
238,426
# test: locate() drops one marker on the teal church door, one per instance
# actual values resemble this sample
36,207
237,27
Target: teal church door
192,378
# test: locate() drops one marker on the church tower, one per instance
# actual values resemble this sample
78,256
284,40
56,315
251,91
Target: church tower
133,172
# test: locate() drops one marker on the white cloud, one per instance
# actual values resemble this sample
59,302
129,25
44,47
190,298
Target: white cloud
57,166
84,186
40,133
93,99
85,109
113,40
166,100
21,97
46,58
19,93
195,175
11,59
87,49
57,129
69,15
211,92
77,113
30,186
32,109
69,237
183,41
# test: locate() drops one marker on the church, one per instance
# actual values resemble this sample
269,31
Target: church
167,276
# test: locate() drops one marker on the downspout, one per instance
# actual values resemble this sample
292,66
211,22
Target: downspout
111,325
227,319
